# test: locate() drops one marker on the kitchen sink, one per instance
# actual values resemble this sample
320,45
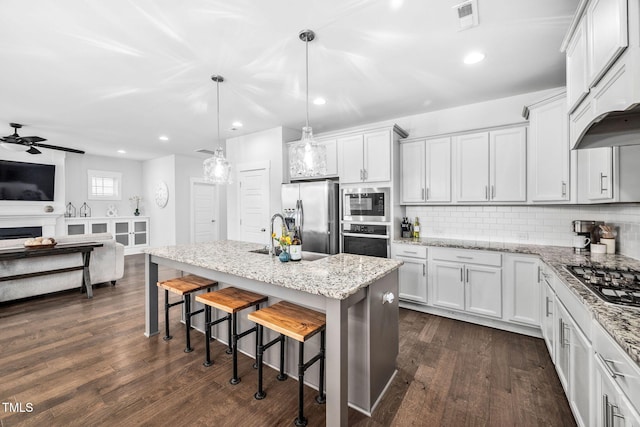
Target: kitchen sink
306,255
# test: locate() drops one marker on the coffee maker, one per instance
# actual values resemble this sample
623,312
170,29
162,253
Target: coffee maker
586,232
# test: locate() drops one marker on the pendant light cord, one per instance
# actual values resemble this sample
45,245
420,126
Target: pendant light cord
306,46
218,108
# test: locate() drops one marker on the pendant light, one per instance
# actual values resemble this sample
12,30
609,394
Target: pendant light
311,157
217,169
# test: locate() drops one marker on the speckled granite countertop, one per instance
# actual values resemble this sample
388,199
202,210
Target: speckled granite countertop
336,276
622,323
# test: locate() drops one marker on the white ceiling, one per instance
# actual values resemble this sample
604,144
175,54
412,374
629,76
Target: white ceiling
117,74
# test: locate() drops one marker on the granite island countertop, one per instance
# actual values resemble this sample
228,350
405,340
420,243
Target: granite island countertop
622,323
335,276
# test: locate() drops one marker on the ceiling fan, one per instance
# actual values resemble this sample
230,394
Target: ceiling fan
16,142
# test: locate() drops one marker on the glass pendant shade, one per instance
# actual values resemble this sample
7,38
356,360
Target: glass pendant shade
217,168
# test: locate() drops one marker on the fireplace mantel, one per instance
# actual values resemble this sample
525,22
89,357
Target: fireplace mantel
47,221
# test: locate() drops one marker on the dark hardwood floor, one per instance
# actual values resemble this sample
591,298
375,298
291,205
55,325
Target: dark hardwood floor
80,362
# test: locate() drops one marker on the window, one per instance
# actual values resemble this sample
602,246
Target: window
104,185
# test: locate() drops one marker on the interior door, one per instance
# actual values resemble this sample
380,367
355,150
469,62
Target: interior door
205,212
254,206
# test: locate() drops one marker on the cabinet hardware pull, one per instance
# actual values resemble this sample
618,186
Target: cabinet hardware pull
547,307
486,192
467,276
461,275
608,365
411,252
263,230
361,175
427,193
424,269
605,410
464,257
366,174
561,331
493,191
602,178
539,269
564,189
423,195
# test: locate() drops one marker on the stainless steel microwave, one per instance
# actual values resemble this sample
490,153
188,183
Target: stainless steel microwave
366,204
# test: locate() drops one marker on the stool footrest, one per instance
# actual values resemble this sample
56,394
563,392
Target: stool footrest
175,303
313,360
280,339
247,332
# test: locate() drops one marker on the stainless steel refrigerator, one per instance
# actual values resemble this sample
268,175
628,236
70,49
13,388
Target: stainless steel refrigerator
313,206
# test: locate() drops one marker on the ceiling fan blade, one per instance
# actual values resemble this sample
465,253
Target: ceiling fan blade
33,150
32,139
10,139
55,147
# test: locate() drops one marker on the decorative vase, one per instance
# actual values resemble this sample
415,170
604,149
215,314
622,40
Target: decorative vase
136,212
284,255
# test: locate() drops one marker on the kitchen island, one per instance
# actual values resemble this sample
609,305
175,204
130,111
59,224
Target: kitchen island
362,326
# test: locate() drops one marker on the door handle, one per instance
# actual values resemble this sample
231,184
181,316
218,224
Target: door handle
263,230
608,366
213,220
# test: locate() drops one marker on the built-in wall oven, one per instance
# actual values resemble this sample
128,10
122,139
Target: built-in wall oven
366,204
365,239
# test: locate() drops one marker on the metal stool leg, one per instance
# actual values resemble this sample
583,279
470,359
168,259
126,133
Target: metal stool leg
301,420
260,394
167,337
235,380
321,398
187,321
207,336
282,376
230,339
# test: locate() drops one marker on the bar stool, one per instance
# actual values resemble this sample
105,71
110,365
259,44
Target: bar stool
230,300
183,286
295,322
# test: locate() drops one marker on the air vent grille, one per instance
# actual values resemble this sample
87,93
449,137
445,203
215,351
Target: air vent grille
467,14
205,151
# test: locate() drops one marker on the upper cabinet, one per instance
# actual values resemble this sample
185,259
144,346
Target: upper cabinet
491,166
606,35
603,61
367,156
425,171
548,150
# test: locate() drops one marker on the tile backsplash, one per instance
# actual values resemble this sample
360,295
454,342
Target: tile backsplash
545,225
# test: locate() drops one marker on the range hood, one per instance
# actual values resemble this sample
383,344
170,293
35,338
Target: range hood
611,129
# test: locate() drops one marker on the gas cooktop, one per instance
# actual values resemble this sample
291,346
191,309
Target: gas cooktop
617,286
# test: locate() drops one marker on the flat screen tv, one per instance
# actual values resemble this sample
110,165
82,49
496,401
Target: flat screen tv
26,181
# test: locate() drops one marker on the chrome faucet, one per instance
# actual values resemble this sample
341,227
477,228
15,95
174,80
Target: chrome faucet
272,248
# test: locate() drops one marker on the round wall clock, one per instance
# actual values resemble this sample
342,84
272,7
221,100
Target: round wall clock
162,194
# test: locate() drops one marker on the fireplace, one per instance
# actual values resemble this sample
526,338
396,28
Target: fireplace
19,232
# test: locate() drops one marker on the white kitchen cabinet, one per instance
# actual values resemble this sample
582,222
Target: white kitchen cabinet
331,149
547,316
132,233
76,226
612,408
491,166
467,280
366,157
412,171
606,35
597,165
472,154
412,277
576,59
522,277
426,171
573,364
548,150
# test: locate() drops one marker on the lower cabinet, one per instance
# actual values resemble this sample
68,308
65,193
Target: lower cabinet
573,364
522,289
474,286
132,232
547,315
412,278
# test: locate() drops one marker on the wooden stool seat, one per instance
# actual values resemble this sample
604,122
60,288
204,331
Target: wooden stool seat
187,284
230,300
291,320
183,286
295,322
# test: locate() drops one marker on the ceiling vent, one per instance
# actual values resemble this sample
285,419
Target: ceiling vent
467,13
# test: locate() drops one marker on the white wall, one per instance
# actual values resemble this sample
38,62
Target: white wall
77,183
162,223
267,147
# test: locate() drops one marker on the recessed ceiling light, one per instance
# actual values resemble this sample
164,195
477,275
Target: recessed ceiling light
395,4
319,101
473,58
163,138
236,124
122,152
